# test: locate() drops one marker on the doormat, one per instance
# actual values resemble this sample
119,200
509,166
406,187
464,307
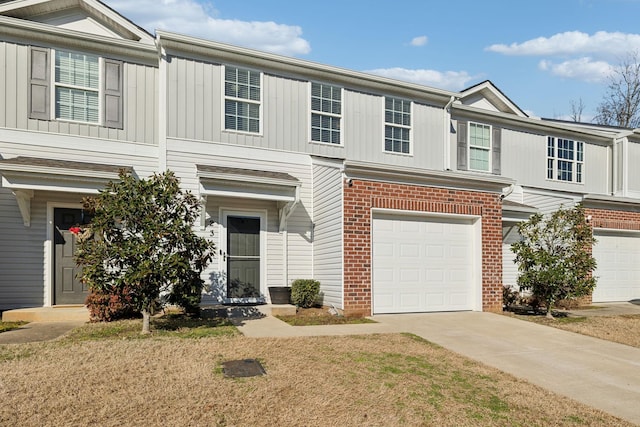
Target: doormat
242,368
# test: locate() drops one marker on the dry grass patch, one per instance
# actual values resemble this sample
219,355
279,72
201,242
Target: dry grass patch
8,326
371,380
320,316
622,329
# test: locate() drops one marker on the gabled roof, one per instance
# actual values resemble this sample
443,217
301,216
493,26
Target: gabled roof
486,91
98,12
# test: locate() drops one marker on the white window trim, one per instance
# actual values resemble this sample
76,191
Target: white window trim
489,149
54,84
312,111
224,98
385,124
555,159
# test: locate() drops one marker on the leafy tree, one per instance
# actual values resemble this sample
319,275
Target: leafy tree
621,103
141,239
554,256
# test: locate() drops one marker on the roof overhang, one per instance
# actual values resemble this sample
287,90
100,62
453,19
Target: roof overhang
219,181
611,202
48,35
183,45
516,212
430,178
25,175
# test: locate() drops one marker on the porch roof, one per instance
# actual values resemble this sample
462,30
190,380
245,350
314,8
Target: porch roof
24,175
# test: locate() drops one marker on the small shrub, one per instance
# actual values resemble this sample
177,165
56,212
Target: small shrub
107,307
305,292
510,296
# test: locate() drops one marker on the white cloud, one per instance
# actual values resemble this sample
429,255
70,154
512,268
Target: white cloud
195,19
581,69
602,44
450,80
419,41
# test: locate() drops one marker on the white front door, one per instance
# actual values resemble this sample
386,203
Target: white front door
243,257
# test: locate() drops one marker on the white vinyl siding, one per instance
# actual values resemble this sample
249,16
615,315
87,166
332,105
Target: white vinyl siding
565,160
326,113
327,231
242,90
479,147
77,87
397,125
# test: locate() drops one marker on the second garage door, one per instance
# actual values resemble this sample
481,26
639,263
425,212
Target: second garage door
618,271
423,264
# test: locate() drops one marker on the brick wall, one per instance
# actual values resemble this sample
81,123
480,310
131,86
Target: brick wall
362,195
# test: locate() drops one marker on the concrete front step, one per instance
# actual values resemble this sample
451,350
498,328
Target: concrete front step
47,314
80,313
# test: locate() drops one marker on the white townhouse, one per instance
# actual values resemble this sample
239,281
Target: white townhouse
397,197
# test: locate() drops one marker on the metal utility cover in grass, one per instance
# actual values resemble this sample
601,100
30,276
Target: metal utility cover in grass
242,368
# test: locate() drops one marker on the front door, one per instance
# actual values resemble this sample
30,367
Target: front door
243,257
68,289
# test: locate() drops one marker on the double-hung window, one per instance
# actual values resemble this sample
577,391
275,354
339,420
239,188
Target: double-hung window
397,125
565,159
77,87
326,113
242,90
479,147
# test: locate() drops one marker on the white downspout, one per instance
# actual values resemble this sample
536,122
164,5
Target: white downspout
614,167
445,139
162,107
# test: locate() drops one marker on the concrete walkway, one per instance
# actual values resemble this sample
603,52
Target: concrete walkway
38,331
598,373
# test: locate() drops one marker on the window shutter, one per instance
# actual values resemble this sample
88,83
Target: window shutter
39,92
113,94
495,150
462,145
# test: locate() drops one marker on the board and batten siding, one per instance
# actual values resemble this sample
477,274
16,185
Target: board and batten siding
524,158
195,100
140,92
364,128
327,231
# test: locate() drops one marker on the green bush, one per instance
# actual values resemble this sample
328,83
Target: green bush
304,292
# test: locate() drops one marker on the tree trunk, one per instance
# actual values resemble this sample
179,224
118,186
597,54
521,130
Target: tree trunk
549,315
146,316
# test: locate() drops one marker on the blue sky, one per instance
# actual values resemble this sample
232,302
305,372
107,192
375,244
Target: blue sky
542,54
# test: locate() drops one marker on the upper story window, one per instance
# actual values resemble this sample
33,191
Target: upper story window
242,90
74,86
479,147
326,113
77,87
565,159
397,125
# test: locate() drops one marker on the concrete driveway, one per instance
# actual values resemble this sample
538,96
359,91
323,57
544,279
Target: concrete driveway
598,373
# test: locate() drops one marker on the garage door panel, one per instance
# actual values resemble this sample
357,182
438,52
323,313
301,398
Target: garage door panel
618,271
422,264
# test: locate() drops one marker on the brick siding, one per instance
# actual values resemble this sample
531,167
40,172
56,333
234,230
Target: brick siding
362,196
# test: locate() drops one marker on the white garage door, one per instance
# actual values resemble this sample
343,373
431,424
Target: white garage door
423,264
618,270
